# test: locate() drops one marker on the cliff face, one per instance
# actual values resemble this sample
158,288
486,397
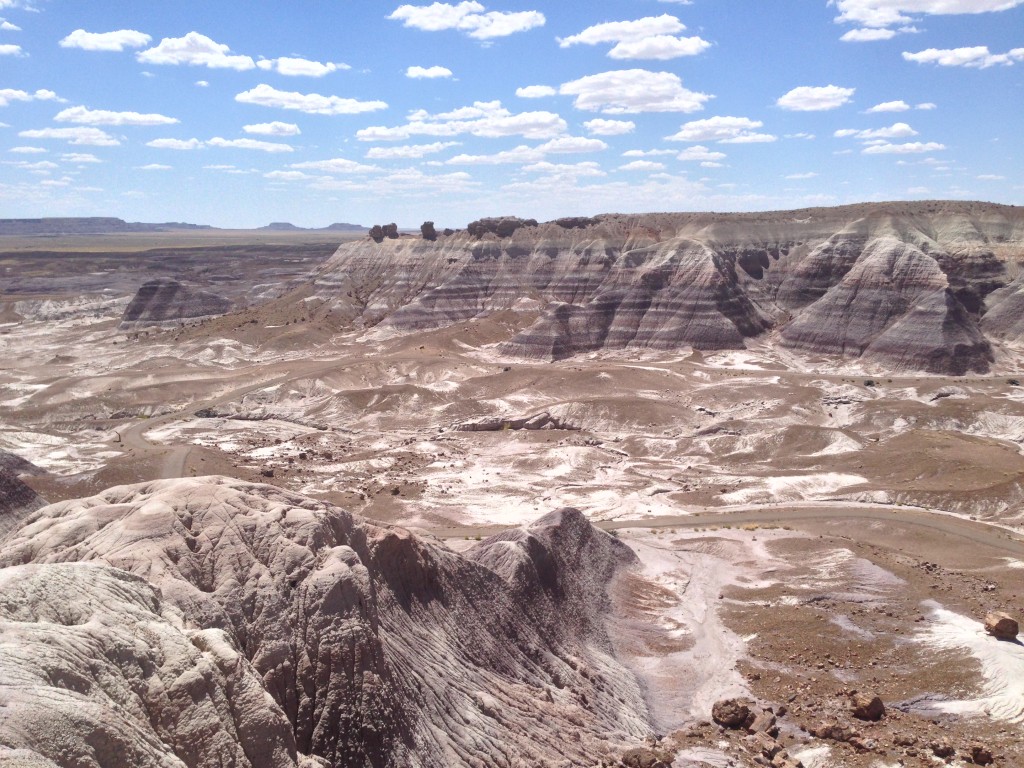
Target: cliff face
211,622
905,286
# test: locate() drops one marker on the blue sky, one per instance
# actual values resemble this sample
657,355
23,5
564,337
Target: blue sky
316,111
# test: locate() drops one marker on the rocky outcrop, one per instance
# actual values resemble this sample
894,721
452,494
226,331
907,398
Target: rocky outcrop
17,500
166,300
901,286
263,626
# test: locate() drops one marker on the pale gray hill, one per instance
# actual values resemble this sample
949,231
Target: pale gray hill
360,644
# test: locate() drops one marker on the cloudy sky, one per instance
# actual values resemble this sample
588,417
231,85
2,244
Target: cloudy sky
317,111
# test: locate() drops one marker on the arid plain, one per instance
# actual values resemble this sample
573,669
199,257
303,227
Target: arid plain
803,431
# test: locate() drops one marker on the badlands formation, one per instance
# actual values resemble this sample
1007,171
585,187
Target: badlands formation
673,489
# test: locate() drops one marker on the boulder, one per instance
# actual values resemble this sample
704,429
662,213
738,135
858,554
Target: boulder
642,757
1001,625
981,755
733,713
866,706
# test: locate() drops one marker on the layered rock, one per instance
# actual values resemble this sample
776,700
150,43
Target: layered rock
373,647
905,286
166,300
17,500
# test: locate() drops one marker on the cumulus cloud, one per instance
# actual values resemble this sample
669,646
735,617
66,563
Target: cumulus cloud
642,165
28,150
565,170
178,144
469,17
632,91
154,167
911,148
978,56
273,129
296,67
79,157
197,50
564,145
117,40
485,119
85,116
700,153
252,144
724,130
601,127
535,92
82,136
652,37
648,152
310,103
427,73
873,34
9,49
801,176
336,165
889,106
7,95
808,98
887,13
894,131
409,151
6,26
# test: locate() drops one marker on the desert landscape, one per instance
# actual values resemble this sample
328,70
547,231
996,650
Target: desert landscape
623,490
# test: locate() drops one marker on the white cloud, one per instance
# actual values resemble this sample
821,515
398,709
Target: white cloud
978,56
310,103
336,165
84,116
601,127
28,150
79,157
105,41
894,131
427,73
632,91
642,165
912,148
701,153
535,92
409,152
874,34
991,177
927,106
652,37
799,176
203,83
296,67
564,145
287,176
253,144
6,26
725,130
273,129
154,167
889,106
197,50
485,119
815,99
868,35
10,50
81,136
886,13
648,152
469,17
179,144
802,135
565,170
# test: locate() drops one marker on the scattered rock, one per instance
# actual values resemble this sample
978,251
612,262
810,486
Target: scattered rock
641,757
1001,625
981,755
865,706
733,713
